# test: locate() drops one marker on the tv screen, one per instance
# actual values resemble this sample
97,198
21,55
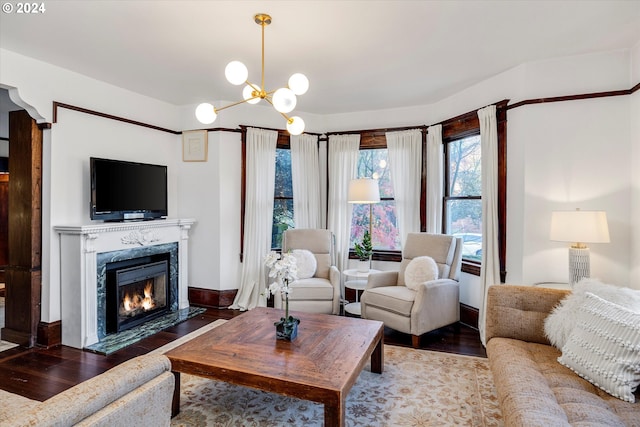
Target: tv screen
127,190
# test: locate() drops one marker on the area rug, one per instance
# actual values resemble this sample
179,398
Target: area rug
417,388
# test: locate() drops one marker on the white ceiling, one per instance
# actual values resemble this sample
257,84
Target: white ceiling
358,55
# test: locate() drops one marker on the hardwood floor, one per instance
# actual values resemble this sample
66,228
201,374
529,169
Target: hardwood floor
41,373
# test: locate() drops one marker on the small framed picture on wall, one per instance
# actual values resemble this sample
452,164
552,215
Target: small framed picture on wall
194,146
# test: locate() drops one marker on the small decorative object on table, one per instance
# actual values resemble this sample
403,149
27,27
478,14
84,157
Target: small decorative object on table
364,251
284,271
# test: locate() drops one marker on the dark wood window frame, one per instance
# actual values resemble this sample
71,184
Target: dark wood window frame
466,125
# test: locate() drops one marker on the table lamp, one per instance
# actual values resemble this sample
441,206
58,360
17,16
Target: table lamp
579,227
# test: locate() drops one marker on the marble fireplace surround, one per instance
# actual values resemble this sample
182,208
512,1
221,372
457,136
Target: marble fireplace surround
84,252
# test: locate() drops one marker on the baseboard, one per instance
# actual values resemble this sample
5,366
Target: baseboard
469,315
49,334
212,298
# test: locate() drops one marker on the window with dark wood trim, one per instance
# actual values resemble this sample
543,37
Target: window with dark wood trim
458,127
466,125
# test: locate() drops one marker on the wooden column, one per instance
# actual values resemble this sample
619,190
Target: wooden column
4,223
23,273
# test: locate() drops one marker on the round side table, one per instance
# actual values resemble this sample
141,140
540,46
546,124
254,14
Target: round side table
356,280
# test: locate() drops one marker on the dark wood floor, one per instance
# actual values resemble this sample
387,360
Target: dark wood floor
41,373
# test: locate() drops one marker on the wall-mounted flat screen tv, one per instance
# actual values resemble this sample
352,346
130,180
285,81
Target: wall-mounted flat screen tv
122,191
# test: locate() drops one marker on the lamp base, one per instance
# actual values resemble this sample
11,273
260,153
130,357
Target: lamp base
579,265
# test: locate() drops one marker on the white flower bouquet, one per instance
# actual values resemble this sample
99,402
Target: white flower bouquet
284,271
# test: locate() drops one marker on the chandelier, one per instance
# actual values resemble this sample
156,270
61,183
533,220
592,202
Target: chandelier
283,99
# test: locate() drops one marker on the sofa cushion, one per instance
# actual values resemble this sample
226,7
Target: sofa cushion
14,404
535,390
421,269
562,320
305,263
604,347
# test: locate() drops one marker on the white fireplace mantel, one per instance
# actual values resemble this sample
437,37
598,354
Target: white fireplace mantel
79,246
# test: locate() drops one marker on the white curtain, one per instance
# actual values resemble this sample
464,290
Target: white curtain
322,155
490,272
261,172
305,176
343,164
405,167
435,179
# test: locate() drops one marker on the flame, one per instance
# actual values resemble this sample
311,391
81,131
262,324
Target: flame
134,302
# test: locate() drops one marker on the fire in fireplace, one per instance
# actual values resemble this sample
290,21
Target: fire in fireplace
137,291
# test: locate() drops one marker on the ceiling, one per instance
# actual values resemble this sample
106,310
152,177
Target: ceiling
358,55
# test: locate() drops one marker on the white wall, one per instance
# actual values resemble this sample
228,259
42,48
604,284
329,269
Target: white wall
559,154
635,170
574,155
35,85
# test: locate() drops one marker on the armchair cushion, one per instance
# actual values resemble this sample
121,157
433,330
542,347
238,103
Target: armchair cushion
396,299
419,270
313,289
305,262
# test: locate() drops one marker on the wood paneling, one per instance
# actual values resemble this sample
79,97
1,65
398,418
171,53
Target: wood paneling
211,298
50,334
4,223
469,315
23,277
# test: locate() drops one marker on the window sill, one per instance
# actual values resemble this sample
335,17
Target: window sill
469,267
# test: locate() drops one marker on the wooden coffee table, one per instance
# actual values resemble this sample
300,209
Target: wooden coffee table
320,365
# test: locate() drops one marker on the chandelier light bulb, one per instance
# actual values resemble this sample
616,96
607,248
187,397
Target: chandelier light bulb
236,73
295,125
247,94
299,83
205,113
284,100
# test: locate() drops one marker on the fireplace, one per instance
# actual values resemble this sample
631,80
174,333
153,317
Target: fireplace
137,290
85,252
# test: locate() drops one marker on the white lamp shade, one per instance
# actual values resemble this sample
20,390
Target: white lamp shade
364,190
247,94
205,113
298,83
236,72
579,226
296,126
284,100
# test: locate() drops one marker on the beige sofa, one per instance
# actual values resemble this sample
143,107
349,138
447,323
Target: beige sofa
533,388
136,392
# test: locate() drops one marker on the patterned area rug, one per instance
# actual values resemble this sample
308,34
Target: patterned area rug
417,388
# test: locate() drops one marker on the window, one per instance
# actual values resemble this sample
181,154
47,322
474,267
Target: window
373,163
463,194
282,198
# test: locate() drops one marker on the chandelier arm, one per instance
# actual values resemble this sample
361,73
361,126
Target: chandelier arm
282,114
231,105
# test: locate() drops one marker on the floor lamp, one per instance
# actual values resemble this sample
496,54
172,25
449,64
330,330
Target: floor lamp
579,227
364,191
